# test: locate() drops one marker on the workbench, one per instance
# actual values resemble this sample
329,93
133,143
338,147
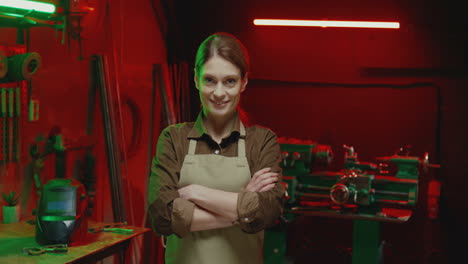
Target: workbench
97,246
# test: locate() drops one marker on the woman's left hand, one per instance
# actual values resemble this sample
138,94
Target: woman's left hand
188,192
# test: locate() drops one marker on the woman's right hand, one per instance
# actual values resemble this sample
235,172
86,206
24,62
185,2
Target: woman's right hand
262,180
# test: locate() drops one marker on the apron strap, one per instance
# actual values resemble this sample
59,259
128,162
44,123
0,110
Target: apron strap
242,129
192,146
241,143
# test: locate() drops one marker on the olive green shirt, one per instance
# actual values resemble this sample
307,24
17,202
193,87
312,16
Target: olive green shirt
171,214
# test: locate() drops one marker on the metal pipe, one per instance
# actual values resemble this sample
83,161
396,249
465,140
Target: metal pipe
377,181
118,204
391,202
312,195
313,187
392,193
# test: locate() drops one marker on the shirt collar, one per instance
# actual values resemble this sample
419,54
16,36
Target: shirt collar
199,129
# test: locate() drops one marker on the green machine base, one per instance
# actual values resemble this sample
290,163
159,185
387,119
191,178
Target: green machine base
274,247
366,248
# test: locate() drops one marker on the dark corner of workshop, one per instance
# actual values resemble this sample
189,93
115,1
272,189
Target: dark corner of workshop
368,100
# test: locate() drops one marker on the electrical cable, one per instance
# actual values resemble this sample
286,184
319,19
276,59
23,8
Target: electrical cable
135,112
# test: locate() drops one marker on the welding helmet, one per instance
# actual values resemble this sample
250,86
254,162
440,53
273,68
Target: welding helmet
61,213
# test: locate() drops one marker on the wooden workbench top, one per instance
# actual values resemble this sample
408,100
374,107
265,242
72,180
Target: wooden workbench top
16,236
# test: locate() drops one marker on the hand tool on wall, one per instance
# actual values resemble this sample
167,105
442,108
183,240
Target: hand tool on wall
11,105
17,125
33,110
5,128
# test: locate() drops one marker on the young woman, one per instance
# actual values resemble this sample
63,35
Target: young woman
216,182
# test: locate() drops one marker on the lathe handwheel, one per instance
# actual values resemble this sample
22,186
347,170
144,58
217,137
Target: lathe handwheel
339,193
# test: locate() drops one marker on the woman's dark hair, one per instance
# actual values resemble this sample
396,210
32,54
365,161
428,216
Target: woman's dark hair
230,48
227,47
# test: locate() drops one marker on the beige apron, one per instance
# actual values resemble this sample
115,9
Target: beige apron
228,245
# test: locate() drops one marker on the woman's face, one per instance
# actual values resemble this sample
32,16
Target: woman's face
220,85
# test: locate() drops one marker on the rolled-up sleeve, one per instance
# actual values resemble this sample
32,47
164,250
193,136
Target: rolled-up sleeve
260,210
169,213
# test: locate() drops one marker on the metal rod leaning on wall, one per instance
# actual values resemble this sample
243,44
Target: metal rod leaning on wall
112,149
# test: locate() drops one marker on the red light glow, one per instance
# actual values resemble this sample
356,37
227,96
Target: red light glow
325,23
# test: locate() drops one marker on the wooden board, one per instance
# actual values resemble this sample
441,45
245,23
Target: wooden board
14,237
